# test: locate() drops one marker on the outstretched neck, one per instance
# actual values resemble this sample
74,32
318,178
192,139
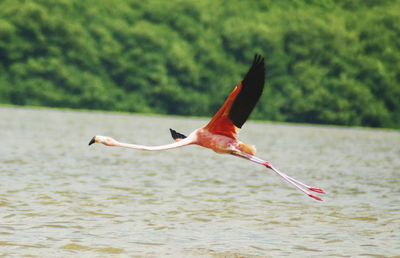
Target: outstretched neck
181,143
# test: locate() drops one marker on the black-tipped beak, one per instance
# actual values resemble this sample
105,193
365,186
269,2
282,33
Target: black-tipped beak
92,141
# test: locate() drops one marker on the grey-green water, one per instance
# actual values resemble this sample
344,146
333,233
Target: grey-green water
59,197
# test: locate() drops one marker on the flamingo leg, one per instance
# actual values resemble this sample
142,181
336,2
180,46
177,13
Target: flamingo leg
298,184
268,165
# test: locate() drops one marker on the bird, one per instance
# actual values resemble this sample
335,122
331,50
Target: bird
220,134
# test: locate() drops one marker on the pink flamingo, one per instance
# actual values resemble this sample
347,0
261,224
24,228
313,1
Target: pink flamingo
221,133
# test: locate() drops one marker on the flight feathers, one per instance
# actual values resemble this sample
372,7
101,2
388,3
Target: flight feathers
250,93
239,104
177,136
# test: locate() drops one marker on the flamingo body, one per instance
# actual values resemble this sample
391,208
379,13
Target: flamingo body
221,133
220,143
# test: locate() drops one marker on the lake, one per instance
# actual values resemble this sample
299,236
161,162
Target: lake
59,197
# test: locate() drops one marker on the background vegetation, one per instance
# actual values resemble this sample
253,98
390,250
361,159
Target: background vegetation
330,61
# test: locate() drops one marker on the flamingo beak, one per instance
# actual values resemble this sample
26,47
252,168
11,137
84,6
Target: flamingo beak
93,140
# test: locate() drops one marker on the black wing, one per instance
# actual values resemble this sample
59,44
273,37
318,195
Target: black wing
247,98
176,135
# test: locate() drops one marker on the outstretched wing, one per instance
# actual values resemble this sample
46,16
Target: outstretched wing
242,100
177,136
249,94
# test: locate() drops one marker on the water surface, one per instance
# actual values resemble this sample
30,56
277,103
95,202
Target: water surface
59,197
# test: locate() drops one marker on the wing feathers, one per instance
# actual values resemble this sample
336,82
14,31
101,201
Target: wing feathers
250,93
177,136
239,104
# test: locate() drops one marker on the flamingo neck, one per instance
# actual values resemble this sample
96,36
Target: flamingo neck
187,141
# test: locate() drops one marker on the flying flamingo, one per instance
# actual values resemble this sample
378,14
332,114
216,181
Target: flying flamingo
221,133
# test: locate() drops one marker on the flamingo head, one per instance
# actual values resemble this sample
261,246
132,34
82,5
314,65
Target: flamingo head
106,140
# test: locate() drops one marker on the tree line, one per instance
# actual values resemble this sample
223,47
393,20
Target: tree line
328,62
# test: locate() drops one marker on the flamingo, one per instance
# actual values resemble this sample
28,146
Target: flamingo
221,133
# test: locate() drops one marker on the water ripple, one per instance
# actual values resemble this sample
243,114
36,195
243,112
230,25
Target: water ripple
58,197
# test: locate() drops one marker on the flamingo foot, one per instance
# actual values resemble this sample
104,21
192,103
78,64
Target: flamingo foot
316,189
315,197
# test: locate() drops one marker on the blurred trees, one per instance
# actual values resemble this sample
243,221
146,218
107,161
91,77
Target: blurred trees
332,62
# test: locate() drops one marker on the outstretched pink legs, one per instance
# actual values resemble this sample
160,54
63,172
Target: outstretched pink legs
298,184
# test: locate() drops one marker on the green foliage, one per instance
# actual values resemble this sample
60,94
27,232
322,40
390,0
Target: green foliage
331,62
